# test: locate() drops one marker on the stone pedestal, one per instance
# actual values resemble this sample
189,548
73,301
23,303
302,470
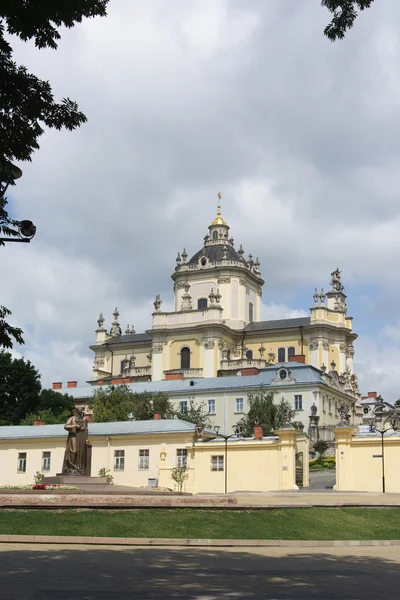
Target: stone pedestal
78,480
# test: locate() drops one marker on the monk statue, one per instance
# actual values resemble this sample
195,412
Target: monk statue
76,452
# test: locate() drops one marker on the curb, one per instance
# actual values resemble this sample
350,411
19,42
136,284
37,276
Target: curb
112,541
50,505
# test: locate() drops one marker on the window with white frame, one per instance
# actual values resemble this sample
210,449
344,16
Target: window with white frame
21,465
119,460
298,402
211,407
181,457
144,460
239,405
183,406
217,463
281,355
46,458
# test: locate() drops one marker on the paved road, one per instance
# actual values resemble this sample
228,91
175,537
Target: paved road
322,480
105,573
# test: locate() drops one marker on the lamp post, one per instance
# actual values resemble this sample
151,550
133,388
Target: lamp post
25,229
237,430
386,414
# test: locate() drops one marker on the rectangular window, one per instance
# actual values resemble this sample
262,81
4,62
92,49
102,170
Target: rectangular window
144,460
217,463
298,402
239,405
291,351
251,312
119,460
46,457
330,405
281,355
183,406
21,467
323,403
181,457
211,407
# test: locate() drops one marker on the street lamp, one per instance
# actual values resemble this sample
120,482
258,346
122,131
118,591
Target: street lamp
237,431
26,229
385,413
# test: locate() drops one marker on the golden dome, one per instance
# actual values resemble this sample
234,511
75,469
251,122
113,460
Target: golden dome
218,219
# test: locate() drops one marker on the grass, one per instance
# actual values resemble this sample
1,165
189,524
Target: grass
287,524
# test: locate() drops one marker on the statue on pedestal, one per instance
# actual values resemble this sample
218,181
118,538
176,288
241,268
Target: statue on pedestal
77,454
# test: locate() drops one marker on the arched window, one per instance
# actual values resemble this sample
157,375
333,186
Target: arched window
281,355
202,303
251,312
291,351
185,358
228,354
215,235
249,354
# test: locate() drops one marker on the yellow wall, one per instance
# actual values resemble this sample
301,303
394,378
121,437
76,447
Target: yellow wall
9,450
174,353
358,465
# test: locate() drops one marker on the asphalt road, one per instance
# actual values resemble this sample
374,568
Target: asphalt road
117,573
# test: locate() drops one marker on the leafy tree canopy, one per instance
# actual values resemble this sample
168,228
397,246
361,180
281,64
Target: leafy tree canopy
115,403
8,334
195,413
19,389
344,15
270,415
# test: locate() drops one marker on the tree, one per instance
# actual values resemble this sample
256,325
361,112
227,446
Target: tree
7,332
115,403
52,408
321,447
195,413
344,15
26,102
179,475
269,415
19,389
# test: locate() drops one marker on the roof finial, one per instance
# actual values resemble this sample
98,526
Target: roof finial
219,196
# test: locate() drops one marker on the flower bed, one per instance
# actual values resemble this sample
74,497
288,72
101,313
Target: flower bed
41,486
155,488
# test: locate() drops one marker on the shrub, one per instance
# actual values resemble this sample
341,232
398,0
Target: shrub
316,468
106,473
321,447
38,477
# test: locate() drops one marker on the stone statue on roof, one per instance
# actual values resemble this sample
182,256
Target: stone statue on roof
336,283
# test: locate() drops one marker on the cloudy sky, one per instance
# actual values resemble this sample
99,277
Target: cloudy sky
186,98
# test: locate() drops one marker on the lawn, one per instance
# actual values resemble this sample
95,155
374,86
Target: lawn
287,524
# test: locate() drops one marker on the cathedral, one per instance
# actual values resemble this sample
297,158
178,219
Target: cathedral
216,328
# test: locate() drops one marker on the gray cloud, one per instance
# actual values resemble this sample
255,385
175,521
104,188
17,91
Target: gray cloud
185,100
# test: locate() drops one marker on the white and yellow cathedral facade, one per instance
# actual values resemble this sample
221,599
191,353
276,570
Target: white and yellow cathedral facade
216,328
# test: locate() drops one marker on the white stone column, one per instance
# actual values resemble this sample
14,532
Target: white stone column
313,350
325,353
157,371
342,359
209,358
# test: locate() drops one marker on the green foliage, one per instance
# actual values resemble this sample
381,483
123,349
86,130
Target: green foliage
270,415
52,408
27,103
316,468
8,334
106,473
19,389
38,478
179,475
196,413
344,15
115,403
321,447
322,462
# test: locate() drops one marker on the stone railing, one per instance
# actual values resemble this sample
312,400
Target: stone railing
171,319
243,363
187,373
139,371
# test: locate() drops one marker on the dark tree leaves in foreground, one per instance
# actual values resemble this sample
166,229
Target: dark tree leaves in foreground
344,15
26,102
8,334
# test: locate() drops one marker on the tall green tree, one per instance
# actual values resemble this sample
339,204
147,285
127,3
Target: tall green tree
344,13
270,415
116,402
19,389
52,408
